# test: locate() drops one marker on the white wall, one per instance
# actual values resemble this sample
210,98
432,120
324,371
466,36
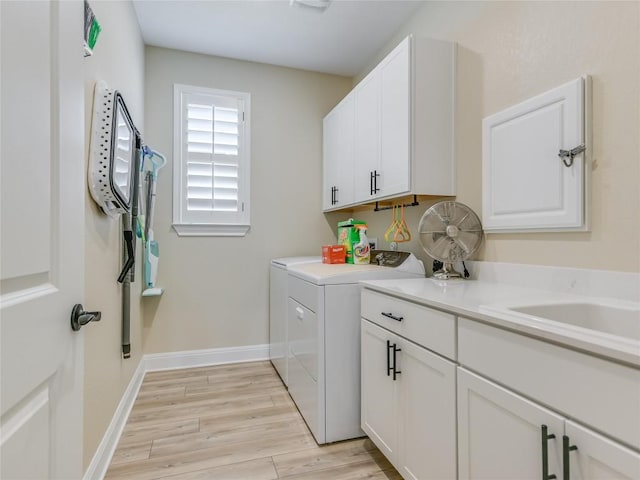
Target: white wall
510,51
119,60
216,289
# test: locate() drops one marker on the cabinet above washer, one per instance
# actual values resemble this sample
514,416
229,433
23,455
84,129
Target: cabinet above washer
393,134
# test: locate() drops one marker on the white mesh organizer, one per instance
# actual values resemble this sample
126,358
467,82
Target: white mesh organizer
112,154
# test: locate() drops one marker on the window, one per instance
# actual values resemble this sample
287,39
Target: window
211,162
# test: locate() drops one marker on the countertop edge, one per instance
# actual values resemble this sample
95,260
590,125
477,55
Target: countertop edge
550,331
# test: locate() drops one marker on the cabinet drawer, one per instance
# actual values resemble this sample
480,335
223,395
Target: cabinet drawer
592,390
425,326
304,292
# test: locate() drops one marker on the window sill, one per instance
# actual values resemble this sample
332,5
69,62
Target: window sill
209,230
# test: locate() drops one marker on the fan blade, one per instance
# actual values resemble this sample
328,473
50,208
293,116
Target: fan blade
458,223
462,245
438,249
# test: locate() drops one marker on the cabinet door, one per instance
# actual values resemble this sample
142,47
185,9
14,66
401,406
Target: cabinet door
427,412
379,390
338,155
525,184
598,458
499,433
367,138
395,122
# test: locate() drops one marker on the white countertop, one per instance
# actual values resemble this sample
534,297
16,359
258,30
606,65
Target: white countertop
342,273
482,300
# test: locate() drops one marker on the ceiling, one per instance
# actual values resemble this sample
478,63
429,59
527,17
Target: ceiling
341,40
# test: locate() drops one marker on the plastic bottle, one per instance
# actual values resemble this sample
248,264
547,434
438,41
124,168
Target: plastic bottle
361,251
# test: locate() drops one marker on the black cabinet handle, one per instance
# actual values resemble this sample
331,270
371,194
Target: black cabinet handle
388,358
392,316
395,361
370,183
374,182
566,461
545,453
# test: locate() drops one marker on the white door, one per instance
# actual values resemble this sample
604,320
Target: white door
394,122
500,433
42,218
367,137
427,413
330,139
338,154
598,458
379,390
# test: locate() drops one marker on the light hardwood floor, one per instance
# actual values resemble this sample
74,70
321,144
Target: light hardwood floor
231,422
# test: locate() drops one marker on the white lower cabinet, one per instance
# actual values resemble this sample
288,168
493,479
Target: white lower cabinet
502,435
379,392
408,404
506,407
597,457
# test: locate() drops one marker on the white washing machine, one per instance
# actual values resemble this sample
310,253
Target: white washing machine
278,310
324,341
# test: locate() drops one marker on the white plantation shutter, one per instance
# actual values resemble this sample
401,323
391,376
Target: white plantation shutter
212,143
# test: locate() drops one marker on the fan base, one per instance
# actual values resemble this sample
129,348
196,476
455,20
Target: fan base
447,272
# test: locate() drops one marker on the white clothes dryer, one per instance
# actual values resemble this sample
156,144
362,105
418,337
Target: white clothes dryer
324,341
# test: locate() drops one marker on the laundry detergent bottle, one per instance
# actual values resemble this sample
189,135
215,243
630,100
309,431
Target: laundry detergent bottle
361,252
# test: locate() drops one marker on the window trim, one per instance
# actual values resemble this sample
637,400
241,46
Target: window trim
227,229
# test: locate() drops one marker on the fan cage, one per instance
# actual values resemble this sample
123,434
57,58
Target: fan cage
450,232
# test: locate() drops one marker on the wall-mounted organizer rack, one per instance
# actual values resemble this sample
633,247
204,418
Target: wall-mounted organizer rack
119,165
415,203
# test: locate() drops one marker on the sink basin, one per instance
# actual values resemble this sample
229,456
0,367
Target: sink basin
622,322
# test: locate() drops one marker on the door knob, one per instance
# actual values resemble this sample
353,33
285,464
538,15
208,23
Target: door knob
79,317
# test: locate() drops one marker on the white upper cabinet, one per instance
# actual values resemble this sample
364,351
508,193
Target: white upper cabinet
367,138
530,180
338,145
403,129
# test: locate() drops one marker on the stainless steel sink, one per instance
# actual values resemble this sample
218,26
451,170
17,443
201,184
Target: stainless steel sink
622,322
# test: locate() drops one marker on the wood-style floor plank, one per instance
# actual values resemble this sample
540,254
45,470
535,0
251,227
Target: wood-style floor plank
261,469
231,422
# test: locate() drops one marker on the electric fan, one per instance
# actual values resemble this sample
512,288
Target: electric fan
449,232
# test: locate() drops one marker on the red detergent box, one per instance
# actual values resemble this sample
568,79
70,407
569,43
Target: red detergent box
333,253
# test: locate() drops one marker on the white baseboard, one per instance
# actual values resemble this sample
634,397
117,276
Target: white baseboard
162,361
202,358
102,458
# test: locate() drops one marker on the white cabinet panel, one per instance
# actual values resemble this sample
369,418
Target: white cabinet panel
367,138
410,414
500,433
379,391
427,411
598,458
338,155
394,123
526,185
402,134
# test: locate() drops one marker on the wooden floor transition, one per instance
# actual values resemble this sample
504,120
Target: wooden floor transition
231,422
